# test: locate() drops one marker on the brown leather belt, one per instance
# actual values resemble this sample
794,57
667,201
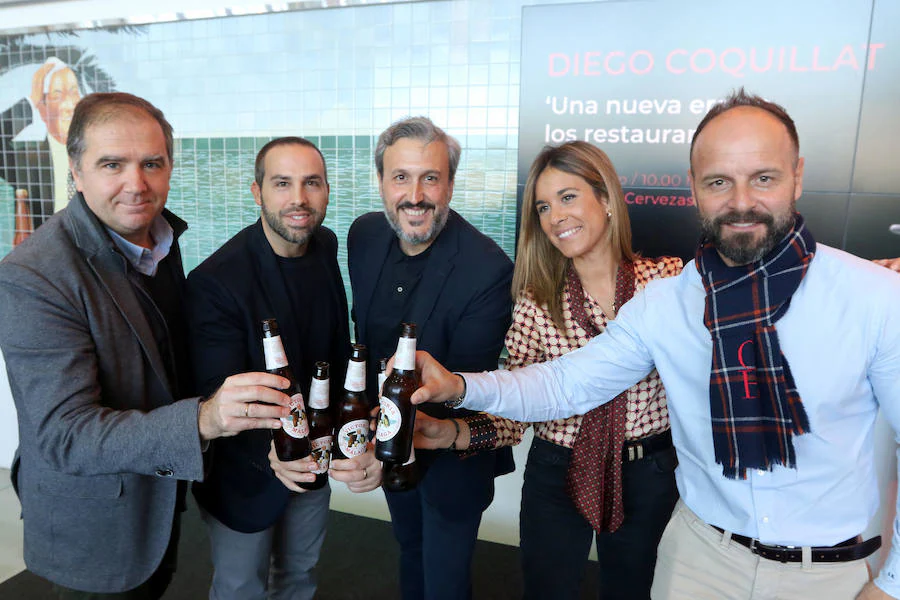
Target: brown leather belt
638,449
852,549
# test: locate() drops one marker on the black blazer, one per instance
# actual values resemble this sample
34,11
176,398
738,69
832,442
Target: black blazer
462,311
229,295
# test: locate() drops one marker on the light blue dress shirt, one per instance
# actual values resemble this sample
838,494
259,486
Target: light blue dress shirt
145,260
841,337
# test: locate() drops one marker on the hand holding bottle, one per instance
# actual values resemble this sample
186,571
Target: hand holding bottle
244,401
361,473
437,384
293,473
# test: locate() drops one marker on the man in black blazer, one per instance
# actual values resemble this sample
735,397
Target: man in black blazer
421,262
284,266
92,330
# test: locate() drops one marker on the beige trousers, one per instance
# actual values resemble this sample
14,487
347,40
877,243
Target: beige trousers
697,562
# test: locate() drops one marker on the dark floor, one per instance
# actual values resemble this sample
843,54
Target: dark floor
348,570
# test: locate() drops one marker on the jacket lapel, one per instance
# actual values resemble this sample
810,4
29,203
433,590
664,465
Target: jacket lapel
271,283
374,253
111,269
334,283
436,274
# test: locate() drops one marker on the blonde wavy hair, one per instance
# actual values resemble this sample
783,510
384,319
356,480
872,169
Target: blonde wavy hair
540,268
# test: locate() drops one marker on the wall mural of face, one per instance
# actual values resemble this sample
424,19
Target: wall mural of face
58,103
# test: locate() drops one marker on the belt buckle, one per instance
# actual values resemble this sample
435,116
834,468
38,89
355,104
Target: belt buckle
635,452
753,546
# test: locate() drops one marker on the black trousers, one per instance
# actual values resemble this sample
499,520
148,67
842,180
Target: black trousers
556,539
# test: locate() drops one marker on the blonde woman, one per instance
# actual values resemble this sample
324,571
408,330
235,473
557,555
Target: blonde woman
608,474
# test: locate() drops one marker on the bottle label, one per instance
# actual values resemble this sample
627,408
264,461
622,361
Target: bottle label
412,456
318,393
389,420
321,452
405,359
381,379
356,376
353,438
295,424
274,351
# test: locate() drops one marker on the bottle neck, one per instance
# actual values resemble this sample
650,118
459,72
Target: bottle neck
274,352
356,376
405,359
319,390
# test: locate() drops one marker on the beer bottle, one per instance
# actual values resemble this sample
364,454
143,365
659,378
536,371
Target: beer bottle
292,440
353,413
397,416
382,375
401,478
23,223
321,426
398,478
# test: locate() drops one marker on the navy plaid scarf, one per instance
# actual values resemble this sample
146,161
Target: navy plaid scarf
754,403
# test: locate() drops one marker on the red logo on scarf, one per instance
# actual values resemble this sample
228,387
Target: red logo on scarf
747,373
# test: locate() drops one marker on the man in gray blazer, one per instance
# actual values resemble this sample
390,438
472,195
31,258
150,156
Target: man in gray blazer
96,351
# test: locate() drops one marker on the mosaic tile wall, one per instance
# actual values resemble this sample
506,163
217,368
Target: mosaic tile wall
336,76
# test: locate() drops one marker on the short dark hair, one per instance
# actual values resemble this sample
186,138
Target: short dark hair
102,107
417,128
742,98
260,167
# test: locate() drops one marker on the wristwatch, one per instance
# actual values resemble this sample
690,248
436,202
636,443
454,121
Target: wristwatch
457,401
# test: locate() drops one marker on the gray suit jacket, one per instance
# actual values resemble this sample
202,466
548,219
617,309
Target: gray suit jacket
101,440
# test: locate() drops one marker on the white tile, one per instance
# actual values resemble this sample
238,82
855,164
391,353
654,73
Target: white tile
11,561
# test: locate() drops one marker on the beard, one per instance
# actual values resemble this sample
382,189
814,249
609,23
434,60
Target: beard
288,234
742,248
438,220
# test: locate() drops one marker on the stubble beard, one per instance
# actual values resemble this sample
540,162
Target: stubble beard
286,233
438,221
741,248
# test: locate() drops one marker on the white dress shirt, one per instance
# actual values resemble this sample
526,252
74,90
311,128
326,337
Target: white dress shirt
841,337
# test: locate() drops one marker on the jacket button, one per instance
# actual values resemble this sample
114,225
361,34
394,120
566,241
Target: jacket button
165,472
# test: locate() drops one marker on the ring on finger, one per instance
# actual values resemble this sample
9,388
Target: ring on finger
365,474
246,409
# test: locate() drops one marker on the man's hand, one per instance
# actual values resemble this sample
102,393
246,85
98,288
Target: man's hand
891,263
438,434
872,592
245,401
360,473
293,472
438,384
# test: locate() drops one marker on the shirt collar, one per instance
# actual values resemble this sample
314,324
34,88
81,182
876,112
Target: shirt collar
146,260
397,256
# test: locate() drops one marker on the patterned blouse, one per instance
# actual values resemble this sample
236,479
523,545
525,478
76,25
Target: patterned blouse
533,337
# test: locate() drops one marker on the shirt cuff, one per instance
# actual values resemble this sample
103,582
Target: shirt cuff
888,579
477,389
482,433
